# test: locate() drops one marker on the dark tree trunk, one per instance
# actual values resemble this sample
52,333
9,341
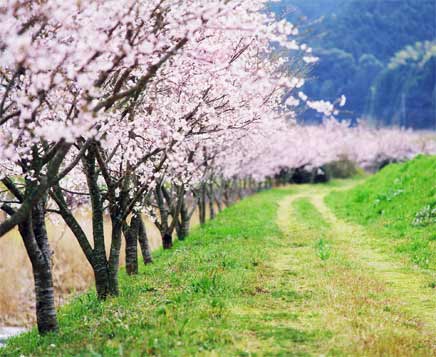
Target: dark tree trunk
45,301
131,235
250,185
218,198
226,193
106,283
239,189
184,223
96,256
167,241
39,229
219,204
34,235
211,199
202,204
184,228
100,263
114,257
101,274
143,242
42,273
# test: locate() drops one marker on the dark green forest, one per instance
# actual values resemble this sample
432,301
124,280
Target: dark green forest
380,53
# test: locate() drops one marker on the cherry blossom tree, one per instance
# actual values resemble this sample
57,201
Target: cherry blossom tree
111,92
70,73
157,106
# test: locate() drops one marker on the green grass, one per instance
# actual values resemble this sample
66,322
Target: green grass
348,298
185,302
241,286
398,205
277,274
307,213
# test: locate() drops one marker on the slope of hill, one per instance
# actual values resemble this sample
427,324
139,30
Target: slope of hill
399,203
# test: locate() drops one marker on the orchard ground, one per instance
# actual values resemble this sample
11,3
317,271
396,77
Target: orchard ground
339,269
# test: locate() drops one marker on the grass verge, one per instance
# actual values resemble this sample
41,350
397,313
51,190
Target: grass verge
188,302
398,205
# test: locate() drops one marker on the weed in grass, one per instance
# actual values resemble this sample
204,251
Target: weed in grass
432,285
323,249
313,220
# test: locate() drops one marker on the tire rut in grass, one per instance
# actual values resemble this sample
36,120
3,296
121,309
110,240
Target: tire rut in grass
359,306
411,285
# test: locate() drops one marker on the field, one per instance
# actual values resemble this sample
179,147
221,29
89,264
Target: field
284,272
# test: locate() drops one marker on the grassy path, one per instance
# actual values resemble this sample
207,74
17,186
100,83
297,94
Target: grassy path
275,275
371,303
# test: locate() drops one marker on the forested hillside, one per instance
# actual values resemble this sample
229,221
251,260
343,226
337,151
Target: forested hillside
379,53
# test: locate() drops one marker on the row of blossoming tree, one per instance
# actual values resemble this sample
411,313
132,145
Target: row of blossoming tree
159,106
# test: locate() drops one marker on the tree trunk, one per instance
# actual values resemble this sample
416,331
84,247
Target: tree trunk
96,256
246,193
218,199
101,274
42,273
34,235
131,235
45,301
114,258
239,189
184,224
167,241
202,204
99,260
184,228
143,242
211,198
226,195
